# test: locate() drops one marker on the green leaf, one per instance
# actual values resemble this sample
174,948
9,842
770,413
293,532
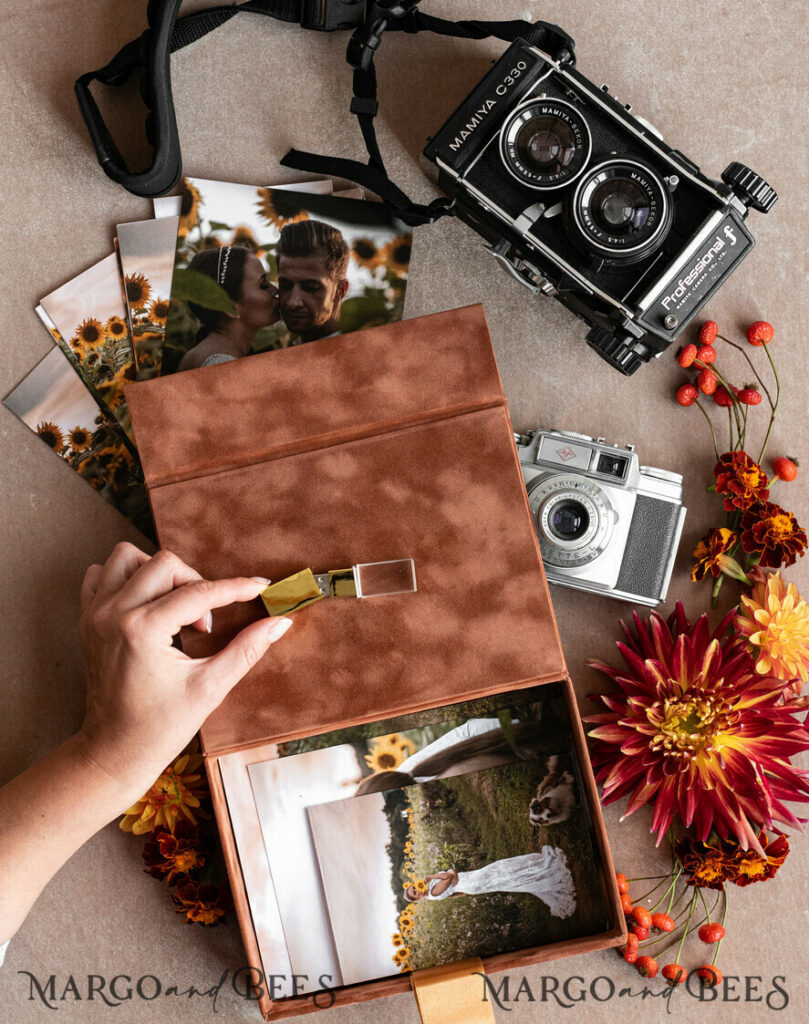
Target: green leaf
219,225
192,286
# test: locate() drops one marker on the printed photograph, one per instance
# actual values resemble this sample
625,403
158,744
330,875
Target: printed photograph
258,269
146,253
89,316
55,404
489,820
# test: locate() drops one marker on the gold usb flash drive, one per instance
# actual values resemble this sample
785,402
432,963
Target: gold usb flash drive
367,579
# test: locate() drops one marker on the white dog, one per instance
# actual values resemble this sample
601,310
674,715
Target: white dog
555,797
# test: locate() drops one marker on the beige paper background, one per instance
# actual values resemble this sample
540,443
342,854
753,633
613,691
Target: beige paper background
723,81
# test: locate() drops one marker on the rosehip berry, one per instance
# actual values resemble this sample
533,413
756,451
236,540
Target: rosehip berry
626,903
630,951
711,932
623,885
687,394
663,922
749,396
641,932
687,355
706,354
642,917
647,966
674,974
722,397
760,333
786,467
709,975
708,332
707,382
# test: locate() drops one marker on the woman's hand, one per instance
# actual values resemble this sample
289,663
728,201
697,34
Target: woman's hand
145,698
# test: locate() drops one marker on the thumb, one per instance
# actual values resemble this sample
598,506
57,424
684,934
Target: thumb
244,651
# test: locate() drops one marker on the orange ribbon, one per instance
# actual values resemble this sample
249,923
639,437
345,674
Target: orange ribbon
453,994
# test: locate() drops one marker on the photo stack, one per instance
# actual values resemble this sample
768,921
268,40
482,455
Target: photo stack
223,271
404,844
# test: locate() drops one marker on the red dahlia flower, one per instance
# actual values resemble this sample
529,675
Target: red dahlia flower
698,733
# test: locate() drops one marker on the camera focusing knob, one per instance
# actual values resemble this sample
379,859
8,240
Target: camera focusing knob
750,187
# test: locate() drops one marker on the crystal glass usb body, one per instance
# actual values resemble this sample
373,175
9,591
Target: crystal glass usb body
366,579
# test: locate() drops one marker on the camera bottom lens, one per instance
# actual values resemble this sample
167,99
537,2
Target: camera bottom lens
621,210
573,518
569,520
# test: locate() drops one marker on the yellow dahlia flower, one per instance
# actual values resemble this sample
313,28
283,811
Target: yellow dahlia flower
775,621
175,793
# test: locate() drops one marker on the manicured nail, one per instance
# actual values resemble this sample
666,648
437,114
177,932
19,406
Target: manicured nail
260,579
208,621
277,628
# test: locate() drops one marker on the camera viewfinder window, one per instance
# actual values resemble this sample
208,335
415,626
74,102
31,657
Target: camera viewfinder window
612,465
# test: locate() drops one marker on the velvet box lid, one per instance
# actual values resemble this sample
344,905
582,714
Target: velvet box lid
391,442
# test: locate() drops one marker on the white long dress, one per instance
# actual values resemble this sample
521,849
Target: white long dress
544,875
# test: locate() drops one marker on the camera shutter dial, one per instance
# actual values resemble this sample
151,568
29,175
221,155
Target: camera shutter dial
545,143
750,187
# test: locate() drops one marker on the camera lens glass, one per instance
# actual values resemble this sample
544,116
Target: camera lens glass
622,209
545,143
569,520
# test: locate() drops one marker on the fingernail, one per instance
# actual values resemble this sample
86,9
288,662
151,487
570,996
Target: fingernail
260,579
277,628
208,621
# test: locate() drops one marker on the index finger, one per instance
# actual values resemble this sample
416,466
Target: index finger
193,601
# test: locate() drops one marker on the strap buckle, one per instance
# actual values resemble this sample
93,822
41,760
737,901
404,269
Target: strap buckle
366,39
333,15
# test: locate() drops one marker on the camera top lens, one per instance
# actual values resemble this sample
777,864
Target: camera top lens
545,143
621,209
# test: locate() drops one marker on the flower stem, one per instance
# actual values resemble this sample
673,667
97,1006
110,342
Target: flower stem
774,407
713,432
735,404
743,351
685,930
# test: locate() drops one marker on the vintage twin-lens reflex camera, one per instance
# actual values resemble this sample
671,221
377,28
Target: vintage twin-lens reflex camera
581,200
605,523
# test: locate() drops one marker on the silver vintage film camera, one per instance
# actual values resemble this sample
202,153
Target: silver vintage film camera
605,523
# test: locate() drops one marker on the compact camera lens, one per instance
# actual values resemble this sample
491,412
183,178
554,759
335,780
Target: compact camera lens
545,143
569,520
621,209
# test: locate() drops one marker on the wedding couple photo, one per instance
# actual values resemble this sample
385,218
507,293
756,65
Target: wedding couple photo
261,268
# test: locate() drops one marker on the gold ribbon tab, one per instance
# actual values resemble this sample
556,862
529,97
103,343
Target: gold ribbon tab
453,994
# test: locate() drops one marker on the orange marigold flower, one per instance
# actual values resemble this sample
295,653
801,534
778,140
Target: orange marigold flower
753,867
709,865
741,481
774,534
707,552
175,793
172,856
774,618
202,904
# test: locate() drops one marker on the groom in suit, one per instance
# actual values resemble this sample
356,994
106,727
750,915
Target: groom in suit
312,265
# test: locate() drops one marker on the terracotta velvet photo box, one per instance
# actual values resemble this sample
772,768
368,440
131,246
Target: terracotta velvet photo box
390,443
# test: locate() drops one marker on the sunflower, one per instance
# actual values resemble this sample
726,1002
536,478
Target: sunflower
115,328
697,732
79,438
707,552
189,208
740,481
397,940
396,254
89,332
202,904
51,435
388,752
775,621
138,290
159,311
774,534
244,237
366,253
175,793
91,359
280,208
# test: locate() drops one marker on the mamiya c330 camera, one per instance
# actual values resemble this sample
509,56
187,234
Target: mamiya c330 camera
605,523
581,200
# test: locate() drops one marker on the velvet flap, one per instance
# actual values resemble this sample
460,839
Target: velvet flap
389,443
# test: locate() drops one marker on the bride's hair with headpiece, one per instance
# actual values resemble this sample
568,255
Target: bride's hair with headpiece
225,265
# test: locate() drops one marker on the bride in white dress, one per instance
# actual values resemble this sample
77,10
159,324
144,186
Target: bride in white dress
544,875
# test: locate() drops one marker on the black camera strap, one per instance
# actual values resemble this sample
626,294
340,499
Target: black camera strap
149,57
